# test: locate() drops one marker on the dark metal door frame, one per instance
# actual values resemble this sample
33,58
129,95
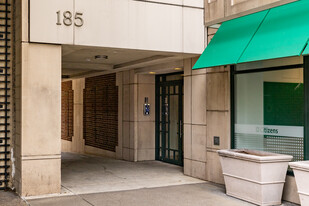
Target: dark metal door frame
163,126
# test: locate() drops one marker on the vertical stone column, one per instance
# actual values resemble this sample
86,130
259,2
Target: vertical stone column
78,142
40,154
195,161
218,119
37,87
145,124
129,115
138,131
36,152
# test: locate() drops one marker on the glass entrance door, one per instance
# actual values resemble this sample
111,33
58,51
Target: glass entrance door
169,118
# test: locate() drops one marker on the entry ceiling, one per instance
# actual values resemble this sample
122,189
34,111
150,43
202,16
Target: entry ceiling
80,61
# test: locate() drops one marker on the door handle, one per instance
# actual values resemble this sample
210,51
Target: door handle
181,128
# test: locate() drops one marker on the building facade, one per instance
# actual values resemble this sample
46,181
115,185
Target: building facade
115,78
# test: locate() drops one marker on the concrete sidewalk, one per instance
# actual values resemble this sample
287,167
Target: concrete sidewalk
10,199
204,194
184,195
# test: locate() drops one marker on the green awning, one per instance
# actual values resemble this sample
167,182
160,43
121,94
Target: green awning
230,41
283,33
278,32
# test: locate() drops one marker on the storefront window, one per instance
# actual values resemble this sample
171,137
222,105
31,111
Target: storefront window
269,111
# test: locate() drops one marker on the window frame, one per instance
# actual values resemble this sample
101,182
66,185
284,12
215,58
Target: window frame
305,67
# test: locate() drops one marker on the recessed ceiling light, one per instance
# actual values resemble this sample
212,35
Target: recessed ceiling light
101,57
178,69
152,72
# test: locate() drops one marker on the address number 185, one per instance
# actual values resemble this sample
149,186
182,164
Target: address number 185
67,18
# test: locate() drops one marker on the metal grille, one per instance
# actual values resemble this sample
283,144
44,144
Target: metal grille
285,145
282,145
67,109
5,65
101,112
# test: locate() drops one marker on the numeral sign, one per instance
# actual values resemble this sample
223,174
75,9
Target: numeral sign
67,18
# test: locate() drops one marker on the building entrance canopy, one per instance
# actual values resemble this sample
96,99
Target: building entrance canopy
275,33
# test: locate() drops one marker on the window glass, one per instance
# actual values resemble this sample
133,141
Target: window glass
269,112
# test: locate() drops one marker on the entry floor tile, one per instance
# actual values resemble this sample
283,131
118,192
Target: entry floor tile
84,174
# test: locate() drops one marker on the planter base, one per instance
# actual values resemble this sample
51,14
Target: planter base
254,176
254,192
301,172
304,198
253,201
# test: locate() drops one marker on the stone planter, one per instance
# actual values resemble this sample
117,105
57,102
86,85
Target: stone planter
301,173
254,176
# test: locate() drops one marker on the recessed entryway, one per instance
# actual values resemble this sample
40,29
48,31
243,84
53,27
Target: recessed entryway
84,174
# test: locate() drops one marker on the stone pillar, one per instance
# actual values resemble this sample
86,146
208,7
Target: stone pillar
218,119
129,107
207,115
78,142
146,124
195,161
36,161
40,106
138,131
